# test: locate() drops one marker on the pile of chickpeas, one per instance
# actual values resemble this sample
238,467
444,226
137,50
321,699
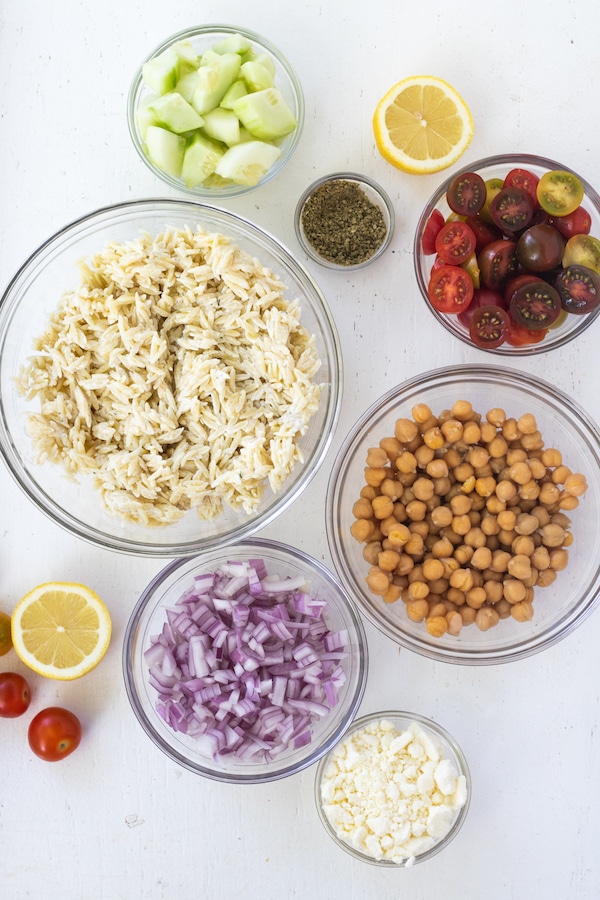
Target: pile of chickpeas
464,515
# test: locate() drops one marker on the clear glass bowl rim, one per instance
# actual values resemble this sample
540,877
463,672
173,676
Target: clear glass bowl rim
428,725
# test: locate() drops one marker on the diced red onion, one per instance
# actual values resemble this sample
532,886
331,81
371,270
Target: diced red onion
245,662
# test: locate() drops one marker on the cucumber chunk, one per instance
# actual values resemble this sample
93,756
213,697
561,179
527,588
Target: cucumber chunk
266,60
173,112
213,81
144,115
165,149
188,58
265,114
256,76
161,74
238,89
248,162
187,84
235,43
222,125
200,160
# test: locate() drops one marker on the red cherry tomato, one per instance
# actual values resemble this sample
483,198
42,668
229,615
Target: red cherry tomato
489,326
54,733
518,336
511,209
481,297
15,695
450,289
455,242
578,222
525,180
433,225
485,232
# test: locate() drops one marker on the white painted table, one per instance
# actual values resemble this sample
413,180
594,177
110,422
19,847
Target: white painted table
118,821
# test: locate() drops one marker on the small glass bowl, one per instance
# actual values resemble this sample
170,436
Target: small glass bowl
373,192
34,293
450,751
202,38
147,620
558,608
498,167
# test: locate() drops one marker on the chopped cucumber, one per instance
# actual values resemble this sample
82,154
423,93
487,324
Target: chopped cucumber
248,162
213,81
235,43
200,160
173,112
265,114
187,84
267,61
144,115
188,58
222,125
238,89
162,73
256,76
165,149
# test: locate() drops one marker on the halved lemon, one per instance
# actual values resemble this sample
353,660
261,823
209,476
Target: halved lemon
61,630
422,125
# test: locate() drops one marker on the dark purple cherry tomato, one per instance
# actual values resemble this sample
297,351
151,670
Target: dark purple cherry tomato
433,225
525,180
540,248
515,283
481,297
497,263
511,209
488,327
535,305
579,289
450,289
455,242
466,194
577,222
485,232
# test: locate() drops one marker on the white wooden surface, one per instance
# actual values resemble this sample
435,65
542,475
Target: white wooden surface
118,821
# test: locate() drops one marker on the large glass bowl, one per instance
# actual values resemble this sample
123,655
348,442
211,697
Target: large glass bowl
202,38
147,620
559,607
449,750
34,293
499,167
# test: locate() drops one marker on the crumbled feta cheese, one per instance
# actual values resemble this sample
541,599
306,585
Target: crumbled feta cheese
389,794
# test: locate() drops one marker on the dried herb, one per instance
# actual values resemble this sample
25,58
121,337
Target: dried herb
343,225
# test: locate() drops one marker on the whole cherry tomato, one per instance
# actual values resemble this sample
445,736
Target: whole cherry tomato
15,695
54,733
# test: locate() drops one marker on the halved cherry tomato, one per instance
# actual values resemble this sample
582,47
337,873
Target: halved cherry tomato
540,248
559,192
54,733
582,250
455,242
511,209
493,186
466,194
577,222
481,297
519,336
433,225
497,263
525,180
450,289
488,327
579,289
516,282
485,232
535,305
15,695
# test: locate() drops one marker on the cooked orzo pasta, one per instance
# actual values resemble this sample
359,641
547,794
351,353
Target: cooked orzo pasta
177,375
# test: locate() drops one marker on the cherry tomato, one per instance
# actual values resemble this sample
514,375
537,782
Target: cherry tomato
455,242
450,289
493,186
433,225
485,232
466,194
481,297
471,266
577,222
497,263
540,248
511,209
5,633
488,327
582,250
559,192
535,305
54,733
516,282
579,289
525,180
518,336
15,695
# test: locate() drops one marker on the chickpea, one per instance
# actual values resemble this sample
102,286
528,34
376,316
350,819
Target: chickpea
500,561
537,468
405,565
382,507
362,530
391,446
418,590
551,457
436,608
455,622
461,525
476,537
463,472
391,488
388,560
456,597
416,610
392,594
431,422
476,597
559,559
462,410
441,486
414,546
441,516
434,438
546,577
437,468
377,458
486,618
533,441
506,490
467,614
438,586
503,608
489,525
452,457
471,433
433,569
478,457
405,430
514,591
496,417
461,579
423,455
510,430
442,548
485,487
423,488
488,432
436,625
452,430
540,558
421,413
398,535
494,591
553,535
567,501
497,447
374,477
463,554
416,510
519,567
460,505
542,515
549,494
522,612
494,505
362,509
523,545
406,462
371,552
378,581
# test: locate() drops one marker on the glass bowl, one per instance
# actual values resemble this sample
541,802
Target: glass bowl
558,607
34,293
358,844
343,231
202,38
147,621
566,329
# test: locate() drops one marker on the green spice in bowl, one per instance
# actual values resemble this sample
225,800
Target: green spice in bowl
344,221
